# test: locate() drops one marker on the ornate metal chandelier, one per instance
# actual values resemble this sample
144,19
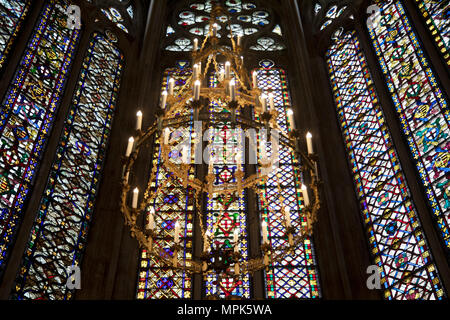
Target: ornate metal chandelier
193,107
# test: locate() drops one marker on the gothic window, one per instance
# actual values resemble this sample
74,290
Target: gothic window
28,111
243,19
59,233
296,275
225,215
333,12
420,104
174,203
398,244
12,14
437,18
119,12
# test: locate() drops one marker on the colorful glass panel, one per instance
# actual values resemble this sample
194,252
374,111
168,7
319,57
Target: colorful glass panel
396,238
12,14
28,111
296,275
172,203
420,104
437,18
226,214
66,207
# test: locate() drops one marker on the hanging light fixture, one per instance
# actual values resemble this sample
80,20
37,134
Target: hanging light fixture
237,90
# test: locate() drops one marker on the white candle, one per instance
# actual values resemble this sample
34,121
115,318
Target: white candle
287,216
271,101
134,202
290,116
227,69
185,155
139,120
197,90
206,246
195,71
264,102
177,232
233,90
236,240
214,29
309,143
166,135
163,99
151,219
129,146
255,79
239,40
171,86
264,232
305,195
195,44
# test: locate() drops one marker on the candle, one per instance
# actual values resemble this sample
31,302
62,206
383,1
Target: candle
197,90
195,44
287,216
233,90
305,195
185,155
206,246
177,232
290,115
255,79
214,29
171,86
221,75
264,102
271,101
166,135
151,219
163,99
129,146
139,120
239,40
134,202
309,143
264,232
227,69
195,71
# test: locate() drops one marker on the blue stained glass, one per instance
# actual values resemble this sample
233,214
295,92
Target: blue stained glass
59,233
28,111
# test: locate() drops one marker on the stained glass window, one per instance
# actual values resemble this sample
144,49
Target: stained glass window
396,239
59,233
333,13
28,111
243,18
226,213
437,18
296,275
420,104
114,15
173,203
12,14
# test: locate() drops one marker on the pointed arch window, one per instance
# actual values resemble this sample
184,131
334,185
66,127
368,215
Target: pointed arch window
398,244
421,106
295,276
173,203
12,14
59,233
28,111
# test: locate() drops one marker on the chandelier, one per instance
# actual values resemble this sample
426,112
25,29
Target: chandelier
249,110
